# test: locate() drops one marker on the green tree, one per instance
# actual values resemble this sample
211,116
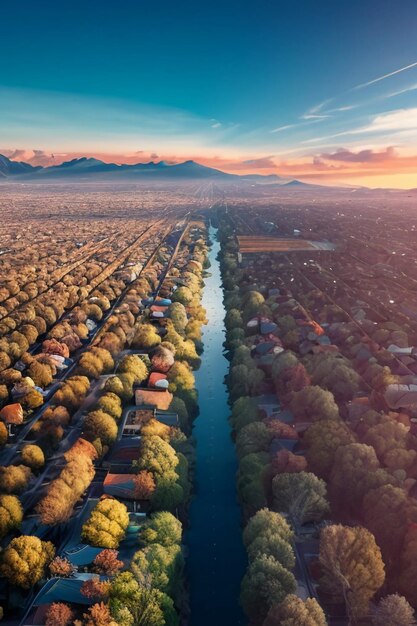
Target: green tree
302,495
265,521
254,437
272,544
265,583
323,439
162,564
163,528
244,412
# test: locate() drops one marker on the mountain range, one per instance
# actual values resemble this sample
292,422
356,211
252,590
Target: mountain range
89,168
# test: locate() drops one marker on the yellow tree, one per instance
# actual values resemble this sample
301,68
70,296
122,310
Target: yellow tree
352,567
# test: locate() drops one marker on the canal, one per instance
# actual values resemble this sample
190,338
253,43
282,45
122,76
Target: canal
217,560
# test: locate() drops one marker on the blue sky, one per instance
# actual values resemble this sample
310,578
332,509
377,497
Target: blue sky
229,80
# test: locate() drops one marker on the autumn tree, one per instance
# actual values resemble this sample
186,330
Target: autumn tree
393,610
313,404
408,566
352,565
59,614
63,492
25,559
107,524
62,567
294,611
356,470
106,563
302,495
99,615
11,514
387,513
33,456
144,485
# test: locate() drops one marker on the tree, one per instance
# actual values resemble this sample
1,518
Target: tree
314,403
111,404
282,361
254,437
244,412
168,495
14,478
107,563
157,457
62,567
286,461
59,614
265,521
393,610
233,319
25,559
33,456
94,588
11,514
387,513
272,544
144,485
295,612
323,439
160,565
336,375
265,583
99,615
145,337
141,602
100,425
182,295
353,566
251,481
385,437
177,311
107,524
163,528
251,301
301,495
406,584
133,364
63,492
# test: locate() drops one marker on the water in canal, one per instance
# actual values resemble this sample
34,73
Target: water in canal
217,560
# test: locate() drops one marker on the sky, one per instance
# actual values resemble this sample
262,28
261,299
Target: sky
321,90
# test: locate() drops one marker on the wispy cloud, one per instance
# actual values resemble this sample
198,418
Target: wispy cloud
281,128
377,80
412,87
